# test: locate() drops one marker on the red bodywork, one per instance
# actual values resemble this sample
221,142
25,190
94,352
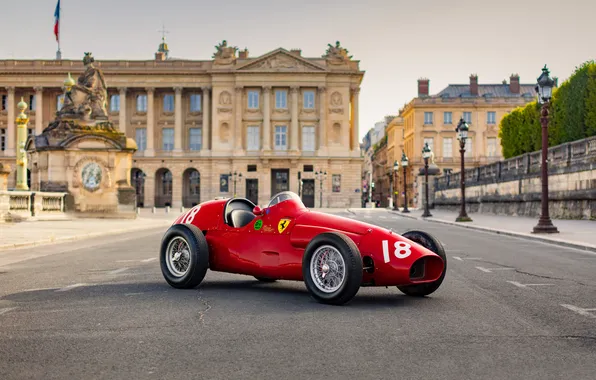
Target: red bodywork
265,252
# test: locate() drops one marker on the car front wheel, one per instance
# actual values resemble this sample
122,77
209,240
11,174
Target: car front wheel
184,256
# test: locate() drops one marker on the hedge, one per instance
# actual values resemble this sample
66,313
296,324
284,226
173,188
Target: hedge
572,114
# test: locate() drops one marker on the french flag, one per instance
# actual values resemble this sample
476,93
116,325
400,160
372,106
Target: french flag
57,20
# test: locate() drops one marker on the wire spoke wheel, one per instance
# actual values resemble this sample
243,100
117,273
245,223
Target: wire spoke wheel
178,256
328,269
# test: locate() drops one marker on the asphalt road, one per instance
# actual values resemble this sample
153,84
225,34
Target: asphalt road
100,309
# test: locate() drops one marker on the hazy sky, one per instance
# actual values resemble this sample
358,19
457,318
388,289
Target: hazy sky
396,41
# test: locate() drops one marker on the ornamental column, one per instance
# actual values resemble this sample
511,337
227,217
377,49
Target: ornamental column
294,127
238,129
38,110
150,151
205,144
11,131
355,117
178,120
122,111
322,118
267,118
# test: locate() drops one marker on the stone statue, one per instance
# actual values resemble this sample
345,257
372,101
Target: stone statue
86,99
337,54
225,52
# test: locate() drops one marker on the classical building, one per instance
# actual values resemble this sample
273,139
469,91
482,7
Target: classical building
432,119
275,120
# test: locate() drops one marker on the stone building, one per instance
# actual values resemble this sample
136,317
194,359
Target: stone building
199,124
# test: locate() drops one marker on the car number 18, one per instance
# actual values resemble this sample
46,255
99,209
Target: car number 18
402,250
191,215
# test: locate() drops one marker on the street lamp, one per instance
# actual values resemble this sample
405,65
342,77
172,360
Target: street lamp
544,90
235,177
462,135
426,153
393,191
404,164
320,175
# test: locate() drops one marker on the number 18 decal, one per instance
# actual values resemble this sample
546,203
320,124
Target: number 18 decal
402,250
191,215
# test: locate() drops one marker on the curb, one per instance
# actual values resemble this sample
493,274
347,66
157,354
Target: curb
75,237
583,247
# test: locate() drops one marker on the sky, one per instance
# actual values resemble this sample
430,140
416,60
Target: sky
397,42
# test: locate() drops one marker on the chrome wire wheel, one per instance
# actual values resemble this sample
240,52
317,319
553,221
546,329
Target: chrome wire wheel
327,269
178,256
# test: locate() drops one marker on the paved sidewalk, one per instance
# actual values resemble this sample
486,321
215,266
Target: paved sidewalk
579,234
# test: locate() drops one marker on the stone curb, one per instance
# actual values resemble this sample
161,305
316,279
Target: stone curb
77,237
564,243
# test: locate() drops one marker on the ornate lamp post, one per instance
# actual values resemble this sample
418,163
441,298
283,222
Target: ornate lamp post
235,177
404,164
462,135
321,176
393,188
22,121
426,153
544,89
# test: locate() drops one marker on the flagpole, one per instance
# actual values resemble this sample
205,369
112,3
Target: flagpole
59,53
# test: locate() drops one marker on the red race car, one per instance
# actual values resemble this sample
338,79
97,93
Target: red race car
333,255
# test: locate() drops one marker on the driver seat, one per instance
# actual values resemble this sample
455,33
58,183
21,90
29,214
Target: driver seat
241,218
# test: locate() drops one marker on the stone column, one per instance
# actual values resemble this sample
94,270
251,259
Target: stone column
38,110
238,129
178,120
206,145
294,126
267,118
11,131
150,151
322,118
355,117
122,112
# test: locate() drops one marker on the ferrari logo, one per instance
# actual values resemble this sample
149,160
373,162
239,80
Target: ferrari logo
282,225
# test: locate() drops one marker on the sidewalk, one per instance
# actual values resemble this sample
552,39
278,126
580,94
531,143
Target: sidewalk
33,233
579,234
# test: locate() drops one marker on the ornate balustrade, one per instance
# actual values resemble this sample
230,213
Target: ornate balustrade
22,205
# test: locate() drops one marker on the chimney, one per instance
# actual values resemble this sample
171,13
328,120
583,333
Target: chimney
243,54
296,52
160,56
474,84
423,87
514,84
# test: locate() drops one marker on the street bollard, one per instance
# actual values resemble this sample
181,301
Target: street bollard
138,211
167,209
153,210
181,208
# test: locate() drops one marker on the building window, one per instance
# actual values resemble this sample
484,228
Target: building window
115,103
59,102
195,138
251,168
429,141
281,141
308,168
468,117
4,100
195,103
142,103
492,146
32,102
281,99
141,138
491,117
447,147
167,138
468,147
308,138
2,139
253,99
309,99
168,103
252,138
336,183
428,118
447,118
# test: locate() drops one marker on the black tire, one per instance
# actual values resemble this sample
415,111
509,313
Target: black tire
199,256
432,243
353,268
265,279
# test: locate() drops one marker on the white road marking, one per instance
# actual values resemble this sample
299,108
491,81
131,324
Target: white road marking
458,258
132,294
69,287
489,270
149,260
126,261
526,285
37,289
117,271
467,258
6,310
367,217
383,217
580,311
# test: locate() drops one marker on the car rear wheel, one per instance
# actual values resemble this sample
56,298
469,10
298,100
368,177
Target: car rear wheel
433,244
184,256
332,268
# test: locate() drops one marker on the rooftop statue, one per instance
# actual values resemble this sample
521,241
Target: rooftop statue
225,54
337,54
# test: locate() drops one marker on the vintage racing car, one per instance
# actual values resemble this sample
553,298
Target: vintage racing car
333,255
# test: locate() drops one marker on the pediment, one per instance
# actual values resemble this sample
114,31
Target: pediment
90,143
281,60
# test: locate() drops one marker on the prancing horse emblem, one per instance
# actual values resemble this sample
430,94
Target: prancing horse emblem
282,225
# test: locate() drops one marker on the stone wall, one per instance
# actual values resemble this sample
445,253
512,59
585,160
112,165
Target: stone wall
513,186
